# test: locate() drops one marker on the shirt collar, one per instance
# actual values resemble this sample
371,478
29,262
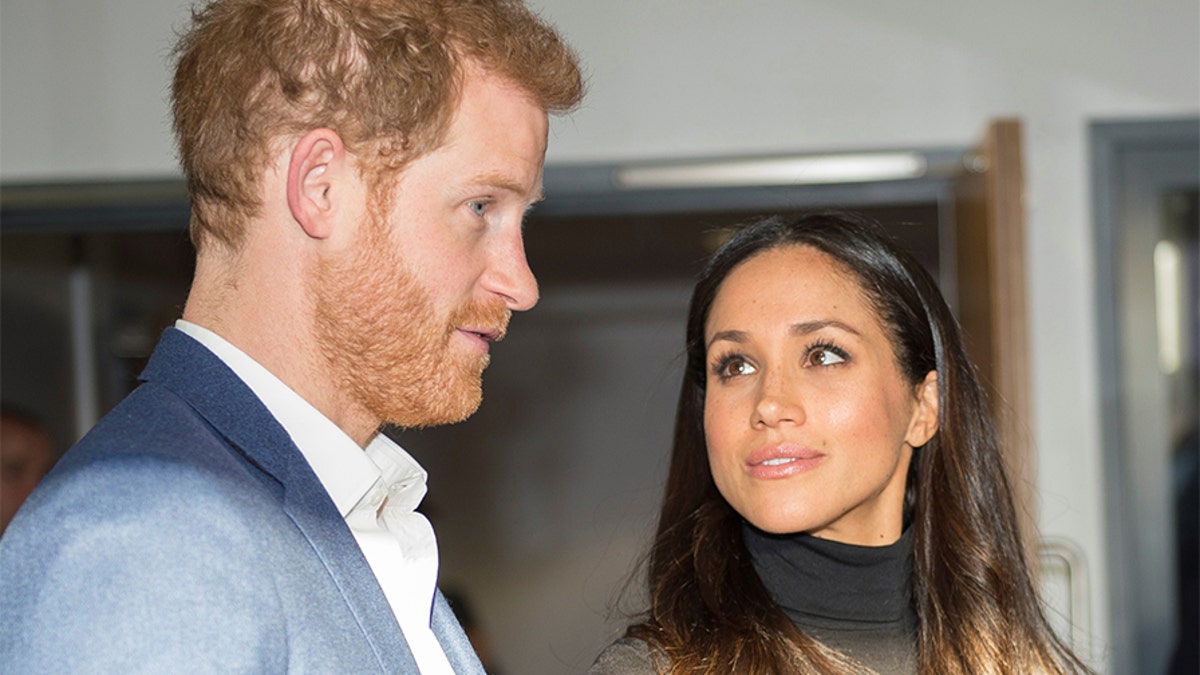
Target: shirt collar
346,472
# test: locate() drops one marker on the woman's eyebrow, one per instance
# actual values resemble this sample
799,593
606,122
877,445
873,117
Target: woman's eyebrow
728,335
807,327
802,328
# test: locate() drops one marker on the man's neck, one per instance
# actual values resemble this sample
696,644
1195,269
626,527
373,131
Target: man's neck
273,324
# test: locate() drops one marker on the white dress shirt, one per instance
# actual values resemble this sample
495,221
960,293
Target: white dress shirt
376,492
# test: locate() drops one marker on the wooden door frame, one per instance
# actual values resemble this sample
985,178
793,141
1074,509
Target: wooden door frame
992,300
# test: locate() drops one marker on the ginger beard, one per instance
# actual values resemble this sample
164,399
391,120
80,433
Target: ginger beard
388,347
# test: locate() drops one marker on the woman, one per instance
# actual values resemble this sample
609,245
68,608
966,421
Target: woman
836,500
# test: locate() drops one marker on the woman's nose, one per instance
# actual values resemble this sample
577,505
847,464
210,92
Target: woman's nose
777,403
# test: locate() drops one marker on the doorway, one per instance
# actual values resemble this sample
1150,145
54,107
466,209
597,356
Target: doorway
1146,184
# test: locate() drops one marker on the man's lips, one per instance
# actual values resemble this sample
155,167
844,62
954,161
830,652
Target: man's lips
782,460
482,322
482,337
489,334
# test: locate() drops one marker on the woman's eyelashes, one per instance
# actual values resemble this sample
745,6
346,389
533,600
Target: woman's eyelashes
821,354
824,353
731,365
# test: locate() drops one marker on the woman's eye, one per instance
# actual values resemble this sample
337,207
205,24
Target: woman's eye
824,356
734,368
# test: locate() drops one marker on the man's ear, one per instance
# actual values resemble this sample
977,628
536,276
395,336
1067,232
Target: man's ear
317,164
924,422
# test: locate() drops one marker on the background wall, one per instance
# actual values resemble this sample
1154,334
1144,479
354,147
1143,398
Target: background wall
84,87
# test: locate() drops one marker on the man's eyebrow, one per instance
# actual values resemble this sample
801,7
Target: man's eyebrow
507,183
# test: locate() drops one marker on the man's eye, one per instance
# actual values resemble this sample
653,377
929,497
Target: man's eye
479,207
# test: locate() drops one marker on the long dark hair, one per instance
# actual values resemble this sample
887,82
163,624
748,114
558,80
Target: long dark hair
975,601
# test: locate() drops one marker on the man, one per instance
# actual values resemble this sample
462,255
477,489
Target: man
359,170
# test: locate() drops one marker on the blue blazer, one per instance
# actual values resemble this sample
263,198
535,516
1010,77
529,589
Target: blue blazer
186,533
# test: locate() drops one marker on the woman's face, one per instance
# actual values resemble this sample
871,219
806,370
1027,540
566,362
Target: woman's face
809,422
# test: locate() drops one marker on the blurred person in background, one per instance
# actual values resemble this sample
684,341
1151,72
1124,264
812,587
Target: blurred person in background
26,454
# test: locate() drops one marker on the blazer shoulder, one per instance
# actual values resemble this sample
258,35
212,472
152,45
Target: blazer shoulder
628,656
186,533
143,544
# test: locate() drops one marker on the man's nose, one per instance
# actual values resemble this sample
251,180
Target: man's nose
509,275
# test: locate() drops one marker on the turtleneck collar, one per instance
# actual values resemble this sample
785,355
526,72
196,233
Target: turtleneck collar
818,582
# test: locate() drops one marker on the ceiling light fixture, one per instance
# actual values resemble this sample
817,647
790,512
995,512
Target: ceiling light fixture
793,170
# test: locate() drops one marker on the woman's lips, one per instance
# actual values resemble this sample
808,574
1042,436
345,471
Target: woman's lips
783,460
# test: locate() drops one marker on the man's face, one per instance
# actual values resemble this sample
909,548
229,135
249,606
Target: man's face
407,315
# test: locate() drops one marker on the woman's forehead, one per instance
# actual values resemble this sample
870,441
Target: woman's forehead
791,278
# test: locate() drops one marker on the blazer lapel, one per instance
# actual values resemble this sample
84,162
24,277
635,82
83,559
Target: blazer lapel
309,506
454,641
216,393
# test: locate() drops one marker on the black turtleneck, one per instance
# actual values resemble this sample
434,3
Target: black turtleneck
855,599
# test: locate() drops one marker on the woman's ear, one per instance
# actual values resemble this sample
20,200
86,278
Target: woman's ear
924,422
317,164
